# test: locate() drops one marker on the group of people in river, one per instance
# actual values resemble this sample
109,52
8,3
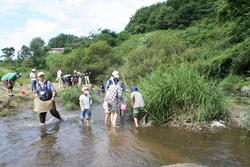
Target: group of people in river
114,102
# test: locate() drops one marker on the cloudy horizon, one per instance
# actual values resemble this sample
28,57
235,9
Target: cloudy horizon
22,20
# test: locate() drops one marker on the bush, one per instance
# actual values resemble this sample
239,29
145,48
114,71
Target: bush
178,91
69,97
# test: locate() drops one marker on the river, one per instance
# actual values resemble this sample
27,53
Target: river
25,143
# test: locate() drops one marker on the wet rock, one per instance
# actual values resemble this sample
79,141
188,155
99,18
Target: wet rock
184,165
217,124
148,124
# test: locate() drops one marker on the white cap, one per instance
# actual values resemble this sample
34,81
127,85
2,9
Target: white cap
115,74
33,69
75,71
40,74
85,89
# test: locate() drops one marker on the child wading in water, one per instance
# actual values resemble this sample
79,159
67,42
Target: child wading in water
138,105
85,103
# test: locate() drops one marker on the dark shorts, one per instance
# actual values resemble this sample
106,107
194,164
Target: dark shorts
85,115
138,112
8,85
112,106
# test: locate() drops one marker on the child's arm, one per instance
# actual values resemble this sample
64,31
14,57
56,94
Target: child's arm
80,101
90,101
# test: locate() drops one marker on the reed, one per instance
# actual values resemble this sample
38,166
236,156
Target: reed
177,91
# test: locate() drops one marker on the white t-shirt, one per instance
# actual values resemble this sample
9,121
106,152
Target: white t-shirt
139,102
59,73
85,100
33,76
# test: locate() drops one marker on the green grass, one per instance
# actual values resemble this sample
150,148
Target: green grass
182,92
69,97
232,82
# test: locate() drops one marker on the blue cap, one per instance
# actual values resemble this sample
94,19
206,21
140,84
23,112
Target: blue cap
134,88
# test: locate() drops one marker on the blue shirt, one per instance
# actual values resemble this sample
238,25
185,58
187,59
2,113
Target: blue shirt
85,100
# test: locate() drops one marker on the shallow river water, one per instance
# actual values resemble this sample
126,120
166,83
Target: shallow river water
24,143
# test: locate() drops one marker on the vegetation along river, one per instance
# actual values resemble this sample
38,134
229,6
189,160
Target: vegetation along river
26,143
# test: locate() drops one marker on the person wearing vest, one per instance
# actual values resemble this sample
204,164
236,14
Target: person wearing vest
45,93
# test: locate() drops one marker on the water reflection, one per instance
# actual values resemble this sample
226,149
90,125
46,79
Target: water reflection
48,154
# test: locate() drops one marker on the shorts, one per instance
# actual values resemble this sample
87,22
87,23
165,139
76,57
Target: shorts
138,112
112,106
8,85
85,115
106,108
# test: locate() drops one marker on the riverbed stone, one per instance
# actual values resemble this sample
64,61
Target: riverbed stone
184,165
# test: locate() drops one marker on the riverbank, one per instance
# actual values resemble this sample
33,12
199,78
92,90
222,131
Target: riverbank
22,99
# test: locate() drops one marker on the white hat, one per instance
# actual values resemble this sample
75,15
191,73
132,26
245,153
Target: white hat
33,69
40,74
75,71
115,74
85,89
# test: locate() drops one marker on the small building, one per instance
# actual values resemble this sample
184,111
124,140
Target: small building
55,50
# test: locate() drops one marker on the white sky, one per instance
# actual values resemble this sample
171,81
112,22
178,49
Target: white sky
22,20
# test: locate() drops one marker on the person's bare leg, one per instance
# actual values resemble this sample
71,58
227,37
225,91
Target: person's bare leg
114,119
106,118
136,122
88,122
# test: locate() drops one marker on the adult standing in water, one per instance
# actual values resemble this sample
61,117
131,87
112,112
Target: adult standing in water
9,81
33,77
45,98
113,96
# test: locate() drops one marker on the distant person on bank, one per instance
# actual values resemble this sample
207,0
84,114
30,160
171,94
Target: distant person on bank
86,74
138,105
59,77
9,81
45,98
33,78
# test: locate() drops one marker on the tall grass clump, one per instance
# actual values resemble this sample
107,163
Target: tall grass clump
232,82
69,97
178,92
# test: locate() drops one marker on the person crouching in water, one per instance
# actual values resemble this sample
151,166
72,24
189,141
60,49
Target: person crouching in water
85,103
138,105
45,98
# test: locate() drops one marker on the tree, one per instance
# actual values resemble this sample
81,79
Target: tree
8,53
64,40
38,51
24,53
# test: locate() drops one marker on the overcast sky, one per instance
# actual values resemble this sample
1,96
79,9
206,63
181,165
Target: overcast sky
21,20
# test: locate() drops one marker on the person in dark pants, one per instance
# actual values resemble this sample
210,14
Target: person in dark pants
46,93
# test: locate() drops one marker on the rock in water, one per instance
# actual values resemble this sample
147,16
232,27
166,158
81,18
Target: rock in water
184,165
217,123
